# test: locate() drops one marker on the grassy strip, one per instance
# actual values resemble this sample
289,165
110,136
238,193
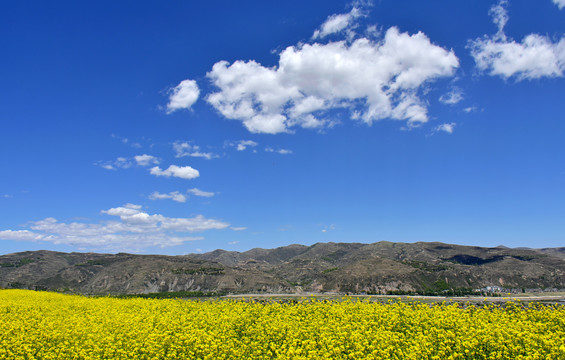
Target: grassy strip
170,295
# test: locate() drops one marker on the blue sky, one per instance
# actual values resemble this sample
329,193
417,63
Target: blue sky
180,127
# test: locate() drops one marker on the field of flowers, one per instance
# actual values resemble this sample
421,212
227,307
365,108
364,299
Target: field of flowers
42,325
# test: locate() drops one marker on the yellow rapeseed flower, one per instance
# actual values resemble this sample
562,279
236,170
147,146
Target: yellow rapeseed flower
42,325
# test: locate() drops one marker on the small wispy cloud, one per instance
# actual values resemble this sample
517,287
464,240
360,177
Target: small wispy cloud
238,228
241,145
337,23
127,141
126,163
146,160
124,140
279,151
183,172
119,163
174,195
198,192
448,128
179,196
286,228
183,149
452,97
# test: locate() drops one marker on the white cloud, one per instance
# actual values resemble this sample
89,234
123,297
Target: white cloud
238,228
178,196
20,235
499,17
233,242
196,224
452,97
560,3
126,141
337,23
174,195
279,151
372,80
328,228
123,163
198,192
183,96
535,57
122,139
134,231
241,144
7,196
119,163
126,163
183,172
470,109
448,128
146,160
183,149
126,210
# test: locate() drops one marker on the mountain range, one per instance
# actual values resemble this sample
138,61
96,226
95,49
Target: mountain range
377,268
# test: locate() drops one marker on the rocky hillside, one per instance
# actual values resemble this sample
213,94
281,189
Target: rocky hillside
323,267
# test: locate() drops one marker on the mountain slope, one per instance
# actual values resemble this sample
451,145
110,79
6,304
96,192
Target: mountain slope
338,267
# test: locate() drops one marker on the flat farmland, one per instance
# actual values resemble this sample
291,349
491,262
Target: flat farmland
43,325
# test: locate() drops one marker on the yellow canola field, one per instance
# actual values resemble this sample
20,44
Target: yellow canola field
42,325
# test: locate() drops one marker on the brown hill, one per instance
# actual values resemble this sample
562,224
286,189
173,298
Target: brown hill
323,267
